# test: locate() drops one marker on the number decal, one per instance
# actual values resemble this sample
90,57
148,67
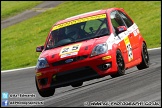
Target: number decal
70,50
75,48
129,48
65,50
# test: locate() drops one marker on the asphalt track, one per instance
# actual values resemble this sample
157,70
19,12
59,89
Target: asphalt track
141,87
29,13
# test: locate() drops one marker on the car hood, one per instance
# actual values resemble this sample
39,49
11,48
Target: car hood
85,49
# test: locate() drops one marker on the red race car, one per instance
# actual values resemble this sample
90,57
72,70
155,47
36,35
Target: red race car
88,46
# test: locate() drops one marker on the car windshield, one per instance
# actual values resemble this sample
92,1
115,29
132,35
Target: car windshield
77,30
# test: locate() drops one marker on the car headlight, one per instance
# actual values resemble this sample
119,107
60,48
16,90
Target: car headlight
42,63
99,49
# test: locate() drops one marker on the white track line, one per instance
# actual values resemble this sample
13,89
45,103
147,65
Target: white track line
34,66
154,48
17,69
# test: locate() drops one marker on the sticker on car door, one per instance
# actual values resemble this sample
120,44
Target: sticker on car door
129,48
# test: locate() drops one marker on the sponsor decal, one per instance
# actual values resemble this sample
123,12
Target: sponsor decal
70,50
70,54
129,48
78,21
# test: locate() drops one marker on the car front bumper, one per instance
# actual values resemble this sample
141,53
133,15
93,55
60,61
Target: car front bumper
78,71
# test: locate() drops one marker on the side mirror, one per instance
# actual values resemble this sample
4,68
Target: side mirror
121,29
39,48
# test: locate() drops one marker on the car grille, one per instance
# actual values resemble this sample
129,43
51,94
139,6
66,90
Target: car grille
76,75
62,62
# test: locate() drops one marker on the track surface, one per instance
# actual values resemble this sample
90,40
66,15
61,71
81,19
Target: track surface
29,13
135,86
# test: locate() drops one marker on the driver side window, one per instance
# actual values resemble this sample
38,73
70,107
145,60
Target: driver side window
116,20
126,19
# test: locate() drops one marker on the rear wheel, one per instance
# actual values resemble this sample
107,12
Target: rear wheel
145,58
45,93
77,84
120,65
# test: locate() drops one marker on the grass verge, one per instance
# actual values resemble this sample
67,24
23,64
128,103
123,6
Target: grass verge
11,8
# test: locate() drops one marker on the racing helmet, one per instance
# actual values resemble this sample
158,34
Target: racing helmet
72,32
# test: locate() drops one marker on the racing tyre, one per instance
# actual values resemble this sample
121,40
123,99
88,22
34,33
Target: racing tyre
77,84
45,93
145,58
120,65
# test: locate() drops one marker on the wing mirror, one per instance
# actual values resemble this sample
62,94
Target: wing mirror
39,48
121,29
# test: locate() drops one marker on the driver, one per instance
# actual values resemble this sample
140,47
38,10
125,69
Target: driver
72,32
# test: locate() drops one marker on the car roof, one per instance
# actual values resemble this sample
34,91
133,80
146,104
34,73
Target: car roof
92,13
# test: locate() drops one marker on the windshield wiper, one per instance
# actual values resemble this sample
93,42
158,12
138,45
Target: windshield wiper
81,39
51,47
64,44
47,48
98,36
101,35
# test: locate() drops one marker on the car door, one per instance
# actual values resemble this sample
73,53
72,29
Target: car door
133,33
122,38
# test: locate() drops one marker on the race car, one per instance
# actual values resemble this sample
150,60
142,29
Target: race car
88,46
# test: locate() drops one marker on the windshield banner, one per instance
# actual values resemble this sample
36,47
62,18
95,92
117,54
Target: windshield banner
78,21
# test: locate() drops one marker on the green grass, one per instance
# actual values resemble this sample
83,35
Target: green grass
18,42
10,8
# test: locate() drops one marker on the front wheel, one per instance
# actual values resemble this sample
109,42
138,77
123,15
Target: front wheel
120,65
145,58
45,93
